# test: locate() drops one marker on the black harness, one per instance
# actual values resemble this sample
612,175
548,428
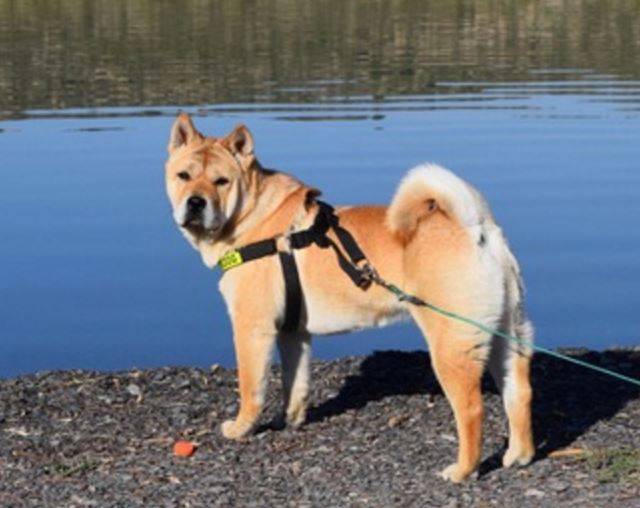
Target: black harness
325,220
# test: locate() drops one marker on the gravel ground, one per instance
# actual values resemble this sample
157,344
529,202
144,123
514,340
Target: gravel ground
378,431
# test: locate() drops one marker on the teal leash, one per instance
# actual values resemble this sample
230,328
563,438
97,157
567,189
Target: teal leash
414,300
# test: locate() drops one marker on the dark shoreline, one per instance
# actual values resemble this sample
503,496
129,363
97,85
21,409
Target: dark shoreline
378,430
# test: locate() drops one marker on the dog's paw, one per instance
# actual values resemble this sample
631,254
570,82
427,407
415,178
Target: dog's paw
296,418
235,429
454,473
516,456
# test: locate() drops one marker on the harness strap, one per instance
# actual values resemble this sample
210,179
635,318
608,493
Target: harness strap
318,230
258,250
357,276
349,244
293,292
327,219
249,252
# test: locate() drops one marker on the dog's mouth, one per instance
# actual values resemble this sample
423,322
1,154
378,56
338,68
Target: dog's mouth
193,222
196,225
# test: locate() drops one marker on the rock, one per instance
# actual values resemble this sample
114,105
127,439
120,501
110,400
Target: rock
296,468
134,390
397,420
557,485
534,493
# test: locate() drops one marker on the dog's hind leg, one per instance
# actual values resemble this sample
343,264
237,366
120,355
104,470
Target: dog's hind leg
458,359
295,355
254,347
509,366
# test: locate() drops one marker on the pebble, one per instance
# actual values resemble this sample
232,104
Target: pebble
534,493
296,468
558,485
134,390
397,420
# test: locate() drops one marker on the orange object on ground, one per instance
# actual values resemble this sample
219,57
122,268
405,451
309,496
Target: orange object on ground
184,448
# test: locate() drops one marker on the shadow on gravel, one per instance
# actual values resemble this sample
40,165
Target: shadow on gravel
568,399
383,374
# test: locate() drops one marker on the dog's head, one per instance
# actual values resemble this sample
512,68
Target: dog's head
207,178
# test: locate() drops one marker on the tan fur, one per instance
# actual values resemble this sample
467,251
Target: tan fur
437,240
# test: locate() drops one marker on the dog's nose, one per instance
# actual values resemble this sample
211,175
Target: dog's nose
196,204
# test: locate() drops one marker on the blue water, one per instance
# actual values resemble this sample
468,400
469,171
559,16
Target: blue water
94,274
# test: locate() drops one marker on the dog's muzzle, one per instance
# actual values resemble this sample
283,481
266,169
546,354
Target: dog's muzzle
197,213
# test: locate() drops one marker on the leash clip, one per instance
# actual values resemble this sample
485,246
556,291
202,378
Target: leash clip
368,275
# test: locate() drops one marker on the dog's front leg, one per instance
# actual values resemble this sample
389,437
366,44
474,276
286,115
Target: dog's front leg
253,347
295,354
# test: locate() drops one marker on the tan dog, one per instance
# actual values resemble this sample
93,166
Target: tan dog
437,240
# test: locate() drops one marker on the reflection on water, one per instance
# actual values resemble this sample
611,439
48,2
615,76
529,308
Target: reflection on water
62,54
537,103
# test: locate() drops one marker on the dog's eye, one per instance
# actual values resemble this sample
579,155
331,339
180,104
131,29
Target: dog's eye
183,175
221,181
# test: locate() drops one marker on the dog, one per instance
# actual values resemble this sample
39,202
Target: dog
437,240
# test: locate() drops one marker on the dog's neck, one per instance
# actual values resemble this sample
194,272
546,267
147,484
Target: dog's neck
273,205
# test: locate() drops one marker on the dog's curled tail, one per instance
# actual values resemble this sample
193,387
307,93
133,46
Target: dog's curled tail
429,187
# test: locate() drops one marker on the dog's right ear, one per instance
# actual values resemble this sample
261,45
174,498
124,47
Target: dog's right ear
182,132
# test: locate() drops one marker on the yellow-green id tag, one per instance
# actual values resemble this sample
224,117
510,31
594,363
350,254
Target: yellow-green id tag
230,260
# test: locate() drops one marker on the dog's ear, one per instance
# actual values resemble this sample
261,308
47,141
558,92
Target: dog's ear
240,144
182,132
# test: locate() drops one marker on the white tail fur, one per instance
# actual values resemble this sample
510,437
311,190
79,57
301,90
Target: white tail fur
429,183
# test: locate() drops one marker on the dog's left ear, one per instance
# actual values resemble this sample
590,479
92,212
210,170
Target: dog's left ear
240,144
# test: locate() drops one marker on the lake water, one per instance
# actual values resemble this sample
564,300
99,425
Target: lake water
536,104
